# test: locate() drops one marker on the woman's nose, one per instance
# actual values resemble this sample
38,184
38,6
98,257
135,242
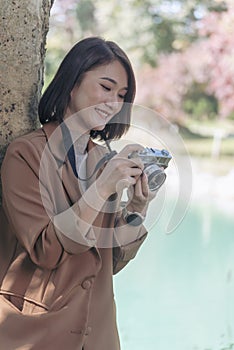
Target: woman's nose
114,106
113,103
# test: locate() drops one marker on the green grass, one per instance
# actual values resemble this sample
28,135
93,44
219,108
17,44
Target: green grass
199,142
199,138
203,147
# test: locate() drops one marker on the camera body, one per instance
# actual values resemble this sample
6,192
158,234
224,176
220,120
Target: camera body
154,160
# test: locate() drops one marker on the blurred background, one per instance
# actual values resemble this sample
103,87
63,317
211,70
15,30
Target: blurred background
178,292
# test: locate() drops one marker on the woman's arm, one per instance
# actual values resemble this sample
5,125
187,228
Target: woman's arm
47,237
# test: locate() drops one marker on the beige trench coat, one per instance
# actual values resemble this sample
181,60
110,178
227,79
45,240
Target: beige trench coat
55,292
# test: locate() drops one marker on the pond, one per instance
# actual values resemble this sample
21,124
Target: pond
178,293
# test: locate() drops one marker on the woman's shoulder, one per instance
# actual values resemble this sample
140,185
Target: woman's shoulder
32,136
27,143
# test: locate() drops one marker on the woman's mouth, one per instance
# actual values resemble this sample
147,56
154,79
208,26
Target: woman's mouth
102,113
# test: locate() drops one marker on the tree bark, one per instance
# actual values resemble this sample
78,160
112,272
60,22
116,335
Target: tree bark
24,25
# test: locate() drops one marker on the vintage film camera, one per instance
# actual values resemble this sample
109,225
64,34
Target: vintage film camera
154,160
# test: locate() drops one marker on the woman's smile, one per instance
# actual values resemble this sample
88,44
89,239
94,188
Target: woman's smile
102,113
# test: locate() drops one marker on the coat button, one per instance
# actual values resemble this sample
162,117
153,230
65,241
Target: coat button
86,284
88,330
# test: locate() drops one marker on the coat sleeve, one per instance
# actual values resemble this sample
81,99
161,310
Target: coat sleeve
128,241
25,211
122,255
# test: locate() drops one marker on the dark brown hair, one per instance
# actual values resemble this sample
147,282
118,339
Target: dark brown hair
84,56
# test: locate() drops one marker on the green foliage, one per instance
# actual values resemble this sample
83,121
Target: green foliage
145,27
199,104
85,13
164,34
231,116
172,24
52,62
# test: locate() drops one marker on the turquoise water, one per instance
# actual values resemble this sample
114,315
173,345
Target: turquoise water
178,293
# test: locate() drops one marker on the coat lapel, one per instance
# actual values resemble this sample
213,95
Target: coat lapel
95,153
64,169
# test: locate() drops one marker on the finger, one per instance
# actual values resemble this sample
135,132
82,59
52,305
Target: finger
125,183
145,185
141,187
138,188
133,162
136,162
130,192
130,148
135,172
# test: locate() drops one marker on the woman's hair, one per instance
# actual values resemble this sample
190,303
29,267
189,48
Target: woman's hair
84,56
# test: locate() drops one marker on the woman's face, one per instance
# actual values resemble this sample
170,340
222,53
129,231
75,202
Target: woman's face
102,90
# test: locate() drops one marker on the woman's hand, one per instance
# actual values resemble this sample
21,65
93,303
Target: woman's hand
120,172
140,195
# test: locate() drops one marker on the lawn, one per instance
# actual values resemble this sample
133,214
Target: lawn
215,153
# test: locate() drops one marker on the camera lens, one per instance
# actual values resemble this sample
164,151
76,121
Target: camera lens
156,177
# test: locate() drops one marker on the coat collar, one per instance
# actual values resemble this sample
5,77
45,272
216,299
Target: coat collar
56,145
55,141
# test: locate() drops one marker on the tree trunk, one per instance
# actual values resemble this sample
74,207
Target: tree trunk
24,25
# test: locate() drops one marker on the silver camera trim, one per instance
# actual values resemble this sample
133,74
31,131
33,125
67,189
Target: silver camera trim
154,160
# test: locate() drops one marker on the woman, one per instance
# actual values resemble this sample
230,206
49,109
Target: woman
63,238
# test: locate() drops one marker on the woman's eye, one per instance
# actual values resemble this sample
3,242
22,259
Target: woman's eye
105,87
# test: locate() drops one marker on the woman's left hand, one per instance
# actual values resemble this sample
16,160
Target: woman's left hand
140,195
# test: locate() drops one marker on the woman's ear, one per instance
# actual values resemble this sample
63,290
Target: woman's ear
73,91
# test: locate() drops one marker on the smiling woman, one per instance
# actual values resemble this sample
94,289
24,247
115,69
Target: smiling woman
101,63
61,241
104,88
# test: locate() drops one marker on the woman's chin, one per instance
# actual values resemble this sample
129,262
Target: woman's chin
99,127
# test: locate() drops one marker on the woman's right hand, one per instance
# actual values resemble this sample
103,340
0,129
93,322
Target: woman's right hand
120,172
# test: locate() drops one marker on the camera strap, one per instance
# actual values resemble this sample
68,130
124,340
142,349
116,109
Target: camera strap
68,144
99,164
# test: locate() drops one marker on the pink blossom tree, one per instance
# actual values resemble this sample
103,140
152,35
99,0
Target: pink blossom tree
209,62
219,30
